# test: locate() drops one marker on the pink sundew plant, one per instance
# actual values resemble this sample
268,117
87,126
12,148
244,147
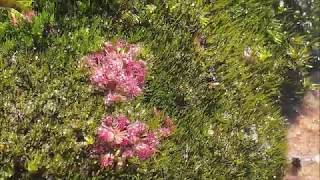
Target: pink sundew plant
118,138
116,70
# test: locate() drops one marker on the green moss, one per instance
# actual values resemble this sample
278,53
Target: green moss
229,130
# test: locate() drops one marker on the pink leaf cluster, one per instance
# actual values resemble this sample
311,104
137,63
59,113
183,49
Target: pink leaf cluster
119,139
116,70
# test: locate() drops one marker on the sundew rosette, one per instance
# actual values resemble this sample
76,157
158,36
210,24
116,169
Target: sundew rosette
116,70
119,139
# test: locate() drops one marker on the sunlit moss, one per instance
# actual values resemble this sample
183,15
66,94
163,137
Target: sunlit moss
197,73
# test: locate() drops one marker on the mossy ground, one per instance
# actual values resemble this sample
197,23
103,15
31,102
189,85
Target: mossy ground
226,130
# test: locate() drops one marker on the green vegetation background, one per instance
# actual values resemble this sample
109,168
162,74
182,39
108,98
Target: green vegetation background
231,130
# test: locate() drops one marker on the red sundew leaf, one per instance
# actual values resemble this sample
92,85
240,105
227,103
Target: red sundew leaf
107,160
144,151
106,135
